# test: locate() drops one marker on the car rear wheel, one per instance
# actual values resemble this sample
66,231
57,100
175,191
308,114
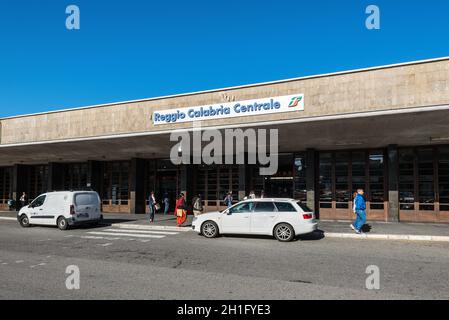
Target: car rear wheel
284,232
24,221
62,223
209,229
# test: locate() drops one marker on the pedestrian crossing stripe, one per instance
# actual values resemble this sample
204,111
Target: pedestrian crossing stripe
153,236
142,231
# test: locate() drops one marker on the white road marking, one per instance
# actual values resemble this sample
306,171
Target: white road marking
146,227
128,235
105,244
142,231
20,261
5,263
8,218
38,265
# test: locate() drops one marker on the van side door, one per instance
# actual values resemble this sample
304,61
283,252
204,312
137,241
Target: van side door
37,213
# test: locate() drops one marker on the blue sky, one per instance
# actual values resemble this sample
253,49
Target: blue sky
139,49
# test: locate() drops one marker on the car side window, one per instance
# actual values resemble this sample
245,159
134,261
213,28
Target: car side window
242,208
265,207
39,202
285,207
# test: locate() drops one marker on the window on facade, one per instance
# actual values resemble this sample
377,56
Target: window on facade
406,179
116,183
5,185
376,179
38,182
300,191
443,178
341,180
426,179
75,176
325,180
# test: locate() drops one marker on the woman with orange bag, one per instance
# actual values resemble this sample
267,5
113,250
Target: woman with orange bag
181,210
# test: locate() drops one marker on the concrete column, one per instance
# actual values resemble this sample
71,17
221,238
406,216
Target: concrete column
242,182
186,181
393,176
311,180
55,176
94,175
19,182
137,202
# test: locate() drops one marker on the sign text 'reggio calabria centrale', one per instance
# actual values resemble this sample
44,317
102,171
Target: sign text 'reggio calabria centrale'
254,107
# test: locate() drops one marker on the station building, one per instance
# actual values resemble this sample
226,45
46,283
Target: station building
384,129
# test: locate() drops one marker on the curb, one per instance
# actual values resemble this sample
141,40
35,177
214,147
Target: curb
386,237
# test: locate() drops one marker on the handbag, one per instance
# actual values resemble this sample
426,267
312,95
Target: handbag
179,212
157,206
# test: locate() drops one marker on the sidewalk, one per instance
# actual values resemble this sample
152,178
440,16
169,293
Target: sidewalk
329,229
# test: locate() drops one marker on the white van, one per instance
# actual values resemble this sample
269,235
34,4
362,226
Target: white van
62,209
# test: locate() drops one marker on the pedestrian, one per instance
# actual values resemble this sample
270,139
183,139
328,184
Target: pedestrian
252,195
10,203
152,205
166,201
181,210
197,205
360,207
262,194
23,199
228,199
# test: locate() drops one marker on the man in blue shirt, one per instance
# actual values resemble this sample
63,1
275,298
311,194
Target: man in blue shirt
360,207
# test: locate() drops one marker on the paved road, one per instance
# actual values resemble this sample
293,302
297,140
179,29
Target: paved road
159,264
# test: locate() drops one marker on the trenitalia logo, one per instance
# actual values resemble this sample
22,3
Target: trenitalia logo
255,107
295,102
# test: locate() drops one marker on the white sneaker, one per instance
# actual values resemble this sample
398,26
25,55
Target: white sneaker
358,231
352,226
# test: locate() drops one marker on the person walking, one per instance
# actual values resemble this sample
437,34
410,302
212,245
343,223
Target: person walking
23,200
10,203
228,199
262,194
197,205
252,195
166,201
360,207
152,205
181,210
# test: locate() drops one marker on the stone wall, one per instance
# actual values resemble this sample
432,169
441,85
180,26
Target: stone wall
414,85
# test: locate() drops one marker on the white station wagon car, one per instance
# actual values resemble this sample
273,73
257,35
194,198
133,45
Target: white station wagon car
282,218
62,209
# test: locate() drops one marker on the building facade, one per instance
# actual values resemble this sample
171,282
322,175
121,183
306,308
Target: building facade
384,129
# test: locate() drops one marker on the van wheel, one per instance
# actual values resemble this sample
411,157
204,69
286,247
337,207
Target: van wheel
284,232
209,229
24,221
62,223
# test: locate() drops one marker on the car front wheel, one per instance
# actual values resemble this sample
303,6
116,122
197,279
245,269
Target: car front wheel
209,229
284,232
62,223
24,221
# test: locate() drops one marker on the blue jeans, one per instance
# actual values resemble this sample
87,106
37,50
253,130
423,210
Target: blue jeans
361,219
152,210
